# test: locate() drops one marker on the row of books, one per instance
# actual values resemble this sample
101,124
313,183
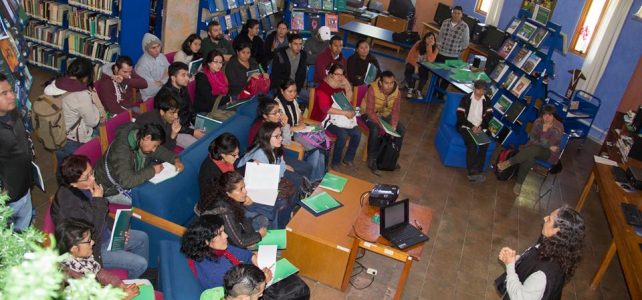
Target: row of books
310,22
517,85
508,108
94,24
51,36
266,7
523,58
339,5
92,48
527,31
46,57
53,12
103,6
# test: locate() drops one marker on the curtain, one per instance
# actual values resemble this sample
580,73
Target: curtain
603,42
492,18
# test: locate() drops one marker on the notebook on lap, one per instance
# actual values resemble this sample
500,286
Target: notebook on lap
396,227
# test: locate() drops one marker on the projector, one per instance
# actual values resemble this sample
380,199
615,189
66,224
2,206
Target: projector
383,194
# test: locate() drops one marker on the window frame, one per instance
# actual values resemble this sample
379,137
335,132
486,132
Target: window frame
478,6
580,25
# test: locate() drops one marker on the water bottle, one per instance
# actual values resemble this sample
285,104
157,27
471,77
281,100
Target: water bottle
357,111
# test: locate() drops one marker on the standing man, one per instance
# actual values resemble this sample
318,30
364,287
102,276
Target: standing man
216,41
289,63
15,158
454,37
474,113
382,100
330,55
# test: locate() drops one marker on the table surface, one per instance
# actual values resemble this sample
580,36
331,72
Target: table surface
443,73
372,31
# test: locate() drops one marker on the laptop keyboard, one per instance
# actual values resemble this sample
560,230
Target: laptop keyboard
404,234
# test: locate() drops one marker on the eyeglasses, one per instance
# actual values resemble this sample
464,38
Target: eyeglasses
337,74
217,61
278,136
85,242
91,174
278,112
234,154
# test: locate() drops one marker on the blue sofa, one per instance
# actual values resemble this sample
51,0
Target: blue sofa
176,279
449,143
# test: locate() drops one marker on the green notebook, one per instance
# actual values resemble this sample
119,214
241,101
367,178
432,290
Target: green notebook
145,292
371,74
320,203
333,182
388,128
343,102
282,269
121,225
274,237
456,63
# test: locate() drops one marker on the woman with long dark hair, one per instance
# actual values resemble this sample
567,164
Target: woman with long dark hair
211,83
222,154
424,50
189,49
250,34
358,63
543,269
238,66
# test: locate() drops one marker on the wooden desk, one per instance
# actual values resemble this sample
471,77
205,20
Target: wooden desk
367,237
625,241
320,246
471,49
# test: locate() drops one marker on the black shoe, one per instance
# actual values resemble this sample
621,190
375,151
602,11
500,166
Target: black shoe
372,165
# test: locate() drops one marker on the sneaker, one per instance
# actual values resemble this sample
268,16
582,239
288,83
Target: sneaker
418,94
410,94
517,189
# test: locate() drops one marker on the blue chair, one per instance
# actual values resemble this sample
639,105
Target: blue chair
347,52
450,145
174,275
309,77
545,168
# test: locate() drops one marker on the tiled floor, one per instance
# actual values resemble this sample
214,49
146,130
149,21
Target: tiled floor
470,223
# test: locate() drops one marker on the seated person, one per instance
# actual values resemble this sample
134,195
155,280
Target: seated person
237,68
316,44
116,86
250,35
268,110
358,63
543,144
210,83
246,222
268,149
216,40
205,242
474,113
189,49
285,59
222,154
276,40
424,50
383,99
152,66
177,87
342,124
74,237
330,55
543,269
166,116
81,197
133,158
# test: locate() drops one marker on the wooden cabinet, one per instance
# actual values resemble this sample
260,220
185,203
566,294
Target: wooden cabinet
392,24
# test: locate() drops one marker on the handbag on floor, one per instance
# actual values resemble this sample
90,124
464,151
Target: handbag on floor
388,155
220,114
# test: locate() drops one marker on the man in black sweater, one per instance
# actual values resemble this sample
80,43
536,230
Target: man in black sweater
289,63
16,176
166,116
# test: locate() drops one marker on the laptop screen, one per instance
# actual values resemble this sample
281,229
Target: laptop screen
395,214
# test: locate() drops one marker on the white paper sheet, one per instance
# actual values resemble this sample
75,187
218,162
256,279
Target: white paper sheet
168,172
267,257
262,182
604,161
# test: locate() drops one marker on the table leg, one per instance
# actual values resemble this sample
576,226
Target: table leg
403,278
353,257
345,37
606,261
431,88
587,188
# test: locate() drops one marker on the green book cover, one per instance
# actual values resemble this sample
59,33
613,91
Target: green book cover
283,269
206,124
328,4
320,202
388,128
145,292
371,74
274,237
480,138
343,102
333,182
194,66
456,63
121,225
434,66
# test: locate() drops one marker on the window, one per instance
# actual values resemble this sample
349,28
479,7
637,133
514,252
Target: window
483,6
589,23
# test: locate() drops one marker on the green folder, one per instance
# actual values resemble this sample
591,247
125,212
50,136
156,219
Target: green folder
206,124
371,74
333,182
320,203
274,237
121,225
343,102
283,269
146,292
388,128
456,63
434,66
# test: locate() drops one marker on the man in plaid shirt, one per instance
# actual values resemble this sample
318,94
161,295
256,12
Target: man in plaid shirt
453,38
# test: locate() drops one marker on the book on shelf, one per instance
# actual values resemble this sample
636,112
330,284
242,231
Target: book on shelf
507,48
262,9
320,203
254,11
531,63
231,4
312,22
494,126
9,53
513,25
480,138
333,182
502,104
296,21
503,134
315,4
328,4
342,101
244,15
499,71
332,21
520,58
541,14
299,3
539,36
340,5
492,90
228,22
515,111
526,31
522,84
268,8
509,80
275,6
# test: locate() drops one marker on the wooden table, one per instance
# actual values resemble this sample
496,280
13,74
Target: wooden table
366,234
625,241
320,246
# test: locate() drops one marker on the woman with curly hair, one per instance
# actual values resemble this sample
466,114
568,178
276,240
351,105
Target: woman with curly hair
543,269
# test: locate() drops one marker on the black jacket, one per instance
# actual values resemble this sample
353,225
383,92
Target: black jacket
16,174
236,75
358,67
462,113
186,112
281,69
258,52
269,40
71,202
208,174
239,231
154,117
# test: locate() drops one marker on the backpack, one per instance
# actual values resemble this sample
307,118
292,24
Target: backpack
509,172
49,122
388,154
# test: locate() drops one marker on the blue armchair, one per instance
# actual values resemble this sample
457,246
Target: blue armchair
176,279
449,143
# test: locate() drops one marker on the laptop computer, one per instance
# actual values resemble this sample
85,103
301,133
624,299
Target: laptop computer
396,227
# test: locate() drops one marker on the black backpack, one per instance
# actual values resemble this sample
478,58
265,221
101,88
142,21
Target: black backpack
407,37
509,172
388,155
290,288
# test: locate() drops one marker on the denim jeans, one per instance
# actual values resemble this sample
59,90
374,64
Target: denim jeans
22,212
301,167
261,215
342,134
133,258
317,159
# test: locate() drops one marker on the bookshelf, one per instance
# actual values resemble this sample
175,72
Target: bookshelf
519,81
232,14
59,31
306,16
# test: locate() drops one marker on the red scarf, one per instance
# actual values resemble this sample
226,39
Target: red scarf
223,166
235,261
217,81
